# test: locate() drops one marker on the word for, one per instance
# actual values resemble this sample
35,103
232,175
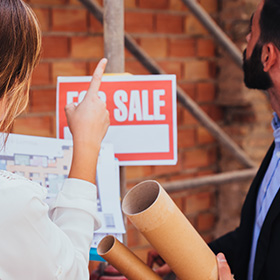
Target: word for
129,107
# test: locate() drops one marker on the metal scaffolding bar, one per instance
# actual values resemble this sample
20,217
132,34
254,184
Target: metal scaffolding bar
114,35
217,179
114,51
215,30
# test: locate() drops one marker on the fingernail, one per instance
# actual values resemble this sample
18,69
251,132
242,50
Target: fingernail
221,257
104,60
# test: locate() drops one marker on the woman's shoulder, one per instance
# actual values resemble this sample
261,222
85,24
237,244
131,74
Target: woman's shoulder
10,177
20,183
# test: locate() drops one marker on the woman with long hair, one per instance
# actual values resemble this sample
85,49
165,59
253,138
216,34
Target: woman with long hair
38,242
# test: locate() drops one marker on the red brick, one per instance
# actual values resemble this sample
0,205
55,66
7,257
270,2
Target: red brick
43,16
186,138
69,20
188,118
189,89
207,237
213,111
130,3
205,221
41,74
87,47
43,100
197,158
68,69
172,68
178,200
135,67
133,172
184,47
213,155
148,4
48,2
194,27
165,169
204,136
128,54
37,126
206,48
198,202
155,47
206,172
180,112
192,220
167,23
210,6
55,47
139,22
198,70
181,176
100,2
91,67
206,92
75,3
95,25
177,5
212,69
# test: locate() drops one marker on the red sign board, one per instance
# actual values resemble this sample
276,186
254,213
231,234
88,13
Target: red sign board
142,110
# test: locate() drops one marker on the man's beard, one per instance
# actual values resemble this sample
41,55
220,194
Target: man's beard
254,76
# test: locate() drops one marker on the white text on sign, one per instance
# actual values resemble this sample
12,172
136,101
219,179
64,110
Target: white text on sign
129,109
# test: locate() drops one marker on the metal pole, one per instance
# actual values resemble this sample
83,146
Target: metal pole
114,35
215,30
114,51
217,179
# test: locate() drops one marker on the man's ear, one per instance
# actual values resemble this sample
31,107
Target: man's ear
269,56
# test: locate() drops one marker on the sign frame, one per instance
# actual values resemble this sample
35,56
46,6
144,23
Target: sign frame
163,152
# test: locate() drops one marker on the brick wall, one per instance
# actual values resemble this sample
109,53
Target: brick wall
166,30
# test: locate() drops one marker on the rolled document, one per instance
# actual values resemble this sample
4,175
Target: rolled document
157,217
125,261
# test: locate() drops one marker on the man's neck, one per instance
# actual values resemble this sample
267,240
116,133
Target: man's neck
274,98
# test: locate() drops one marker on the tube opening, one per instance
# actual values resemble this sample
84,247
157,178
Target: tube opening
105,244
141,197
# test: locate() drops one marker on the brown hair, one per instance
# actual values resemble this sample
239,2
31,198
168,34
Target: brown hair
20,48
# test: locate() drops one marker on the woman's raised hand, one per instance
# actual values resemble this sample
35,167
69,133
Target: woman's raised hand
88,123
89,120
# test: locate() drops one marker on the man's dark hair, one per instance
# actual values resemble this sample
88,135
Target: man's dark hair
270,23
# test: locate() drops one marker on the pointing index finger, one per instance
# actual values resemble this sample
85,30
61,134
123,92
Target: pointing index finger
96,77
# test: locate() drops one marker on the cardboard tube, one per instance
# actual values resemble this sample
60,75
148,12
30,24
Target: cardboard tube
125,261
157,217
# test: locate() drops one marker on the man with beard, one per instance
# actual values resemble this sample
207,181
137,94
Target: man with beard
253,249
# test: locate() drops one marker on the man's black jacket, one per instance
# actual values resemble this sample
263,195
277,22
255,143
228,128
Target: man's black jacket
236,245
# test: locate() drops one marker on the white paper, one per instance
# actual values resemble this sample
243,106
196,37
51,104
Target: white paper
47,161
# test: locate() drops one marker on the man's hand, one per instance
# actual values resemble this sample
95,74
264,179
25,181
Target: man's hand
154,258
223,268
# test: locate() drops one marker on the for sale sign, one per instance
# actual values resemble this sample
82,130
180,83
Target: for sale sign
142,110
